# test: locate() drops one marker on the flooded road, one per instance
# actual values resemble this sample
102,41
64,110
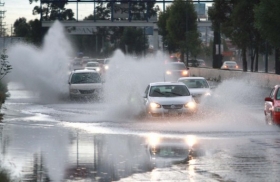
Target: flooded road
85,141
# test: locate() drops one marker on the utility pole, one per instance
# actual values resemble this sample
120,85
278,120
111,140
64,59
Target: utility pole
2,24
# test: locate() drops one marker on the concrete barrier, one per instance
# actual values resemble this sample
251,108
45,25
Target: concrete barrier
261,79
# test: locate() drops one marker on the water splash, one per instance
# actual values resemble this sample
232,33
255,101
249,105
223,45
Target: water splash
44,70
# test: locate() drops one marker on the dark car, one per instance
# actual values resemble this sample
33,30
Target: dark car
196,63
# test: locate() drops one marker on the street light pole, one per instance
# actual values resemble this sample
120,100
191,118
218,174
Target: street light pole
187,51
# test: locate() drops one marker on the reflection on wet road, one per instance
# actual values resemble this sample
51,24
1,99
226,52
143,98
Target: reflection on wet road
68,141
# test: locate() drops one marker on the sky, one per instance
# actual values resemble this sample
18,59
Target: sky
15,9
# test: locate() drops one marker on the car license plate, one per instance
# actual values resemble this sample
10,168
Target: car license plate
172,112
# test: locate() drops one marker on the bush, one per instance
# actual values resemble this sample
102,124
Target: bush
4,176
5,68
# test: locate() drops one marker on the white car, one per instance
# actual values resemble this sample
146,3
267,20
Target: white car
198,87
168,99
229,65
93,66
85,84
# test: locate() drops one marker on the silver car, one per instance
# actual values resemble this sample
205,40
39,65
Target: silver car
168,99
198,87
85,84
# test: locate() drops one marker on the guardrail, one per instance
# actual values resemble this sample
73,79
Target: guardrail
262,79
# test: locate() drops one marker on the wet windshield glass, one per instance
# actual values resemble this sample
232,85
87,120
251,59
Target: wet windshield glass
92,64
176,66
169,91
85,78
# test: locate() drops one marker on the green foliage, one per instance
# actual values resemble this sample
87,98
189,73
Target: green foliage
21,27
31,30
267,21
5,67
53,10
4,176
162,26
178,27
133,41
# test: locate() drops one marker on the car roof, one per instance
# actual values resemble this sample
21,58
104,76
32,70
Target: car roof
84,71
229,62
191,78
175,63
166,83
93,62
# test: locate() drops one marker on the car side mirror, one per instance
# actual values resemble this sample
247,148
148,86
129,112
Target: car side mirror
144,96
268,99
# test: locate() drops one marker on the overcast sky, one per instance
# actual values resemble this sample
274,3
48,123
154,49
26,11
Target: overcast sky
15,9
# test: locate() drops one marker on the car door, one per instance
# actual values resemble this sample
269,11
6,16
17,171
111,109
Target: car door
146,95
268,105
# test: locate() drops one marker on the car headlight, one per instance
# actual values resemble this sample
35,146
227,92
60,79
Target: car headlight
106,67
74,91
97,69
191,105
207,94
276,109
153,139
190,140
154,105
168,72
184,73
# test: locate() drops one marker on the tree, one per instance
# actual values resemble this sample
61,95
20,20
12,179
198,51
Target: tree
53,10
21,27
134,41
34,35
5,68
182,27
162,25
229,18
267,21
31,31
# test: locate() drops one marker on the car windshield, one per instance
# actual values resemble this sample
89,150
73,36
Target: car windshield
92,64
85,78
170,151
195,83
169,91
106,61
278,95
176,66
231,64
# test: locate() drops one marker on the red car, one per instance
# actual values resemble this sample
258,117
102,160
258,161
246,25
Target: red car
272,106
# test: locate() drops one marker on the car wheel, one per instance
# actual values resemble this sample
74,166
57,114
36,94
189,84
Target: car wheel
269,119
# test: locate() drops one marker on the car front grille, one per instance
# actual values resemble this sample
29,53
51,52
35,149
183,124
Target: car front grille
86,91
172,106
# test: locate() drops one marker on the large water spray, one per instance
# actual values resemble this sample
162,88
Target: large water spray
44,70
